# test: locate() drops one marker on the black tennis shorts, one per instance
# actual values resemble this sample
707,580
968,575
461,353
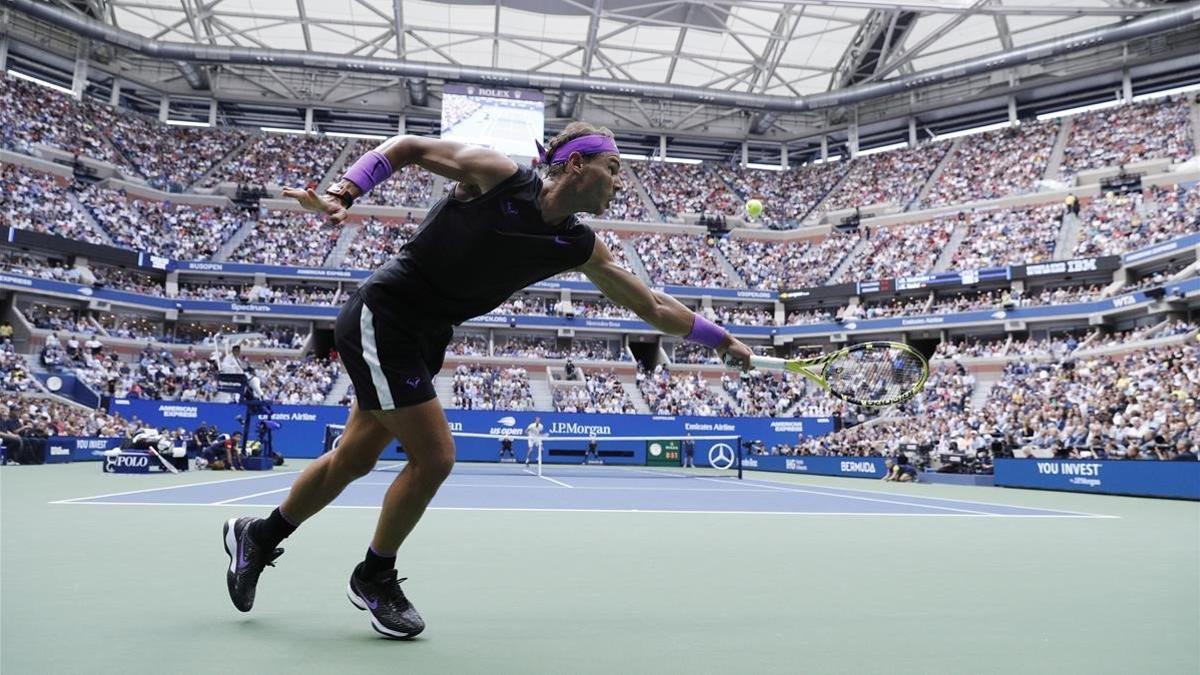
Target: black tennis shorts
391,358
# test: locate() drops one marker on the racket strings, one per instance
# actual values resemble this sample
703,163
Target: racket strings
875,375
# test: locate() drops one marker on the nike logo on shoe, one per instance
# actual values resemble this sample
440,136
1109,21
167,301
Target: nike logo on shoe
243,562
371,602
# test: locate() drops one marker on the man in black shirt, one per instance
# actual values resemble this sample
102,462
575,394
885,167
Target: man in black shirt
502,228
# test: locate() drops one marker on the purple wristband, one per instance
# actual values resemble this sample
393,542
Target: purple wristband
370,170
706,333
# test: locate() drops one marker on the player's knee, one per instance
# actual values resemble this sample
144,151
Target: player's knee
353,465
435,465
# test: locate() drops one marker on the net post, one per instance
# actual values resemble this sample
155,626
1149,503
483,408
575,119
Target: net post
739,457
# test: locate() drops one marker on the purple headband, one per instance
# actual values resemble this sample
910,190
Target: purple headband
592,144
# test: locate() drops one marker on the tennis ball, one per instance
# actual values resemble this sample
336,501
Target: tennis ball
754,208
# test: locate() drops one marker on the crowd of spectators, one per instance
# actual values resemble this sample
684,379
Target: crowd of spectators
601,309
1139,404
156,373
690,352
543,347
601,392
172,158
288,238
133,281
37,266
738,315
490,388
1159,129
1120,223
377,242
14,371
528,304
628,204
55,317
285,294
668,393
1155,278
36,201
287,160
1013,236
788,195
468,344
996,163
527,347
894,177
779,265
179,231
31,114
899,251
39,418
681,259
765,394
686,188
808,317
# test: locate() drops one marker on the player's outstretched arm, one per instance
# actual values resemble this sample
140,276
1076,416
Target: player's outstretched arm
658,309
477,168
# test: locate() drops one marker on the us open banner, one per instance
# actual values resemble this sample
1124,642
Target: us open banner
302,429
1129,477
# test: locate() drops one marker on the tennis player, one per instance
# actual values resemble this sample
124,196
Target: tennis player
501,229
533,434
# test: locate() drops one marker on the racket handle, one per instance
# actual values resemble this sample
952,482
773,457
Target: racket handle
760,363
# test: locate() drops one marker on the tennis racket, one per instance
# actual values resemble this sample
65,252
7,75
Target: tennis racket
870,374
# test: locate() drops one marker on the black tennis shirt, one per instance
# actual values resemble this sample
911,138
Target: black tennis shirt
469,256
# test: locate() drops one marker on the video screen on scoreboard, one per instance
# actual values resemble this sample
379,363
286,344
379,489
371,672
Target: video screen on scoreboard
505,120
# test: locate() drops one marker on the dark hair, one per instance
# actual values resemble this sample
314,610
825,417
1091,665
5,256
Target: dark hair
574,130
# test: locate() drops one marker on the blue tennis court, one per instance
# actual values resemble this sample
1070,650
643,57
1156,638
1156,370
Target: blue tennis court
491,487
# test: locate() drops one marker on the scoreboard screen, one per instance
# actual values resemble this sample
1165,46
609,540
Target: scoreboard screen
505,120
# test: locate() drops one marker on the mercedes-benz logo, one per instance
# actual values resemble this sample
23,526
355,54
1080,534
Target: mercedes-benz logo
720,456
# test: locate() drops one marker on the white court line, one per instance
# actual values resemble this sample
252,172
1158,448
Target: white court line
766,483
268,474
493,486
556,482
867,499
256,494
666,511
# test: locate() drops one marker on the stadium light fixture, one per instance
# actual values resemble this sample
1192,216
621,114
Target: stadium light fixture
681,160
828,160
883,148
636,158
187,123
44,83
282,130
1076,111
972,131
1166,92
765,167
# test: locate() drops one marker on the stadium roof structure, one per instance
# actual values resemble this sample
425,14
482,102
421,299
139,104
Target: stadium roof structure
770,72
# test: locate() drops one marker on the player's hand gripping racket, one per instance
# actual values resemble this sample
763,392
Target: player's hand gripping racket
870,374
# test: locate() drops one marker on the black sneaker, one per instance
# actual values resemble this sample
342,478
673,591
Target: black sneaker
392,615
246,561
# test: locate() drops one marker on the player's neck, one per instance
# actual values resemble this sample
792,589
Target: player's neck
556,202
